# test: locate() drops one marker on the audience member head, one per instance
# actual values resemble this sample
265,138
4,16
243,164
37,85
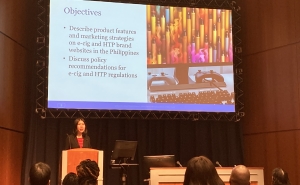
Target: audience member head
280,177
201,171
39,174
79,127
240,175
88,172
70,179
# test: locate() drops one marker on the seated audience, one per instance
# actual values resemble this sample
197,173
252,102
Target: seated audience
240,175
70,179
280,177
87,172
40,174
201,171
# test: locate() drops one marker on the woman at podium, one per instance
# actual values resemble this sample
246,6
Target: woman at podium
79,137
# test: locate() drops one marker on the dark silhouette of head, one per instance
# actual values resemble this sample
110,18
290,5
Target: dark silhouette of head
87,172
70,179
280,177
75,130
39,174
240,175
201,171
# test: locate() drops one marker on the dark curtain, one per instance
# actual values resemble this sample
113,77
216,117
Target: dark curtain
219,141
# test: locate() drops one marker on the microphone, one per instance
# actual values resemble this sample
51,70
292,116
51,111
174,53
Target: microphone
217,163
177,162
69,141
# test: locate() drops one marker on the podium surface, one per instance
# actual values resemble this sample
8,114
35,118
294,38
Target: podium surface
175,175
71,159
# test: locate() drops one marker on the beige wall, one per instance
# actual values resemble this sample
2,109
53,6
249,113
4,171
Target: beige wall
271,57
16,52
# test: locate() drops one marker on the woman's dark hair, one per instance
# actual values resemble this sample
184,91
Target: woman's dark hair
201,171
280,177
76,121
88,172
70,179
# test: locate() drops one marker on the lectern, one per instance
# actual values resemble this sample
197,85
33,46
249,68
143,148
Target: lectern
71,158
175,176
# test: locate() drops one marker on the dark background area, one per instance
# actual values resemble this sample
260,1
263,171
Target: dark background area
220,141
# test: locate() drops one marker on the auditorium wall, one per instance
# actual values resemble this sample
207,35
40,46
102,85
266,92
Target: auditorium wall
16,53
271,47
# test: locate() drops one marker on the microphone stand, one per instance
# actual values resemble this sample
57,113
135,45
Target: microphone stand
124,173
123,166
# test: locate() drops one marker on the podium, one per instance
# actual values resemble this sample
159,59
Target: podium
71,158
175,175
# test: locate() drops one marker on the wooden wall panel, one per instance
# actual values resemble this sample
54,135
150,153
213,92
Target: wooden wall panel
17,32
271,150
268,152
298,60
248,22
271,55
267,24
254,148
14,83
287,156
297,21
297,160
17,20
271,90
11,156
254,97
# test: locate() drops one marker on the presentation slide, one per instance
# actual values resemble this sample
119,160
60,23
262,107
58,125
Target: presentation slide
117,56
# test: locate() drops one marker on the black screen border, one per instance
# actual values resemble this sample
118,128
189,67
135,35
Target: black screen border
42,44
